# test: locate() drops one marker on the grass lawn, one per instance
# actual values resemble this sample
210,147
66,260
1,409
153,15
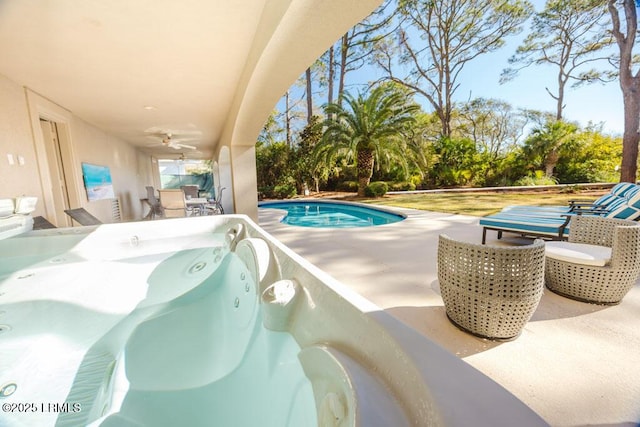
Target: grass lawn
481,203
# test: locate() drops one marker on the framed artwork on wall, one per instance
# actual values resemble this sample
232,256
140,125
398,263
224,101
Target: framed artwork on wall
97,182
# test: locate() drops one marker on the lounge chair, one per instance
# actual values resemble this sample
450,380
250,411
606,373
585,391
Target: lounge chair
490,291
555,225
82,217
41,223
618,191
600,262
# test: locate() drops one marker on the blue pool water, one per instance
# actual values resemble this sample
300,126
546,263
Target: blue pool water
332,214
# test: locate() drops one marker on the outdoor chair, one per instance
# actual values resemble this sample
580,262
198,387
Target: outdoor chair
599,263
190,191
173,203
82,217
556,226
490,291
154,204
617,192
215,205
41,223
552,227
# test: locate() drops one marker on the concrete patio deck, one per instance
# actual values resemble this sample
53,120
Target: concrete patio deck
575,364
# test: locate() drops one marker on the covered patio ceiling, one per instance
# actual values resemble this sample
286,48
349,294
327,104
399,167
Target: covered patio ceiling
206,71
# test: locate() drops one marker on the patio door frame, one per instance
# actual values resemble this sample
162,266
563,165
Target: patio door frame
42,108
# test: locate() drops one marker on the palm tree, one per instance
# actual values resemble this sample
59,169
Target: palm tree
546,142
372,128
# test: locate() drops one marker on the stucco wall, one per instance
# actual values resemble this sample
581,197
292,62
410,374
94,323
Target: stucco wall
131,170
91,145
16,140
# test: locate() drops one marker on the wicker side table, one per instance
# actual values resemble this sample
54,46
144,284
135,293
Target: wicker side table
490,291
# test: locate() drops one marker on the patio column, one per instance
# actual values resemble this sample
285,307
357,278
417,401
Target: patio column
245,181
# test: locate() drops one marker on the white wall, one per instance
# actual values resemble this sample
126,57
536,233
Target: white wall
16,139
91,145
131,170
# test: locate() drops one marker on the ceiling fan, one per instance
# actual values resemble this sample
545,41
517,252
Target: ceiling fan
169,141
172,140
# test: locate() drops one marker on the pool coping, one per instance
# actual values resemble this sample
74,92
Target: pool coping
274,205
331,202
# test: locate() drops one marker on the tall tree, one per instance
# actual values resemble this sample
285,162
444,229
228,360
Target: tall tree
287,119
357,44
438,38
308,173
625,34
331,70
309,95
570,35
271,130
371,128
491,124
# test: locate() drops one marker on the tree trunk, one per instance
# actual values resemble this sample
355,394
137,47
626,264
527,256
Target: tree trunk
631,136
365,169
630,86
343,66
332,70
560,100
550,162
309,96
446,123
287,119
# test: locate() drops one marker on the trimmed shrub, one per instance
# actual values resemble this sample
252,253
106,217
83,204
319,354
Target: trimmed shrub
350,186
284,191
539,178
402,186
376,189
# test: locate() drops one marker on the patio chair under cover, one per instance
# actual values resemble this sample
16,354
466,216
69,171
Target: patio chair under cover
173,203
82,216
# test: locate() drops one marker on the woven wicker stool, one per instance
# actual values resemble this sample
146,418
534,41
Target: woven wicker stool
606,283
490,291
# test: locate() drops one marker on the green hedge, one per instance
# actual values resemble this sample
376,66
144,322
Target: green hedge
284,191
401,186
350,186
376,189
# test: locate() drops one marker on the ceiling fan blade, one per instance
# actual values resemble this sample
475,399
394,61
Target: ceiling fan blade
190,147
172,133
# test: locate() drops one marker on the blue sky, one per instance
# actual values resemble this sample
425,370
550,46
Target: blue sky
597,103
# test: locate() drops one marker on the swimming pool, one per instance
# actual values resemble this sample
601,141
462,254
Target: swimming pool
332,214
210,321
